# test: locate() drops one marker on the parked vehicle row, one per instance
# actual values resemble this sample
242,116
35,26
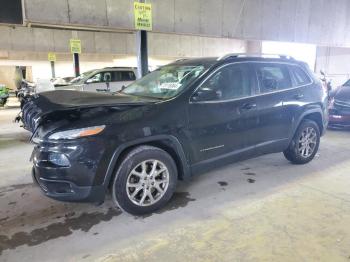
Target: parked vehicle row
109,79
339,107
175,122
4,94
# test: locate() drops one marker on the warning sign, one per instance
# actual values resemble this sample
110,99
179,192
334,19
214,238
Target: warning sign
143,16
51,57
75,46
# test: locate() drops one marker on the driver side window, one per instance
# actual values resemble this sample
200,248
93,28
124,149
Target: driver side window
95,79
229,82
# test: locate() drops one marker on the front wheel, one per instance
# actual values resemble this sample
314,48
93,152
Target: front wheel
305,143
145,180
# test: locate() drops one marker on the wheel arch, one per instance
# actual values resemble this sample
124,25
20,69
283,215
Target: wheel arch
168,143
315,115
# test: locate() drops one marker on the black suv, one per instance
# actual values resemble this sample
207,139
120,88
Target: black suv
179,120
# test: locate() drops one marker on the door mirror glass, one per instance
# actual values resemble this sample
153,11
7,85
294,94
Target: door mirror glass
205,94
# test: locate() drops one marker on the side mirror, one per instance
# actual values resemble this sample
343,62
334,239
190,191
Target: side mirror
322,73
89,81
205,94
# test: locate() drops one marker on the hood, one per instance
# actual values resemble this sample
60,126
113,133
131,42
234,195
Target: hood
67,99
43,104
343,94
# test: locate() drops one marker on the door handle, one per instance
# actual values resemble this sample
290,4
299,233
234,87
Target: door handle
248,106
299,96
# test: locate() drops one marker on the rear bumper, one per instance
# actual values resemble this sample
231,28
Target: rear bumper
64,190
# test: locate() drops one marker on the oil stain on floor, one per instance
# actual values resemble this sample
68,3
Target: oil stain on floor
179,200
223,183
4,190
84,222
250,174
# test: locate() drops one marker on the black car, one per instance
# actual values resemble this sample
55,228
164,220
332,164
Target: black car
177,121
339,108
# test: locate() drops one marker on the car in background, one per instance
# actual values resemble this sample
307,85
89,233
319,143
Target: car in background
339,107
62,81
109,79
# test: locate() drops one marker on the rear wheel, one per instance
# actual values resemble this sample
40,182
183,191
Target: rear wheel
305,143
145,181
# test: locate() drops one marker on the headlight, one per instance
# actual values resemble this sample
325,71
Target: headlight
77,133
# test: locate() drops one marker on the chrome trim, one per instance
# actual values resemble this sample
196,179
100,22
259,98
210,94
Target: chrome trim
252,96
211,148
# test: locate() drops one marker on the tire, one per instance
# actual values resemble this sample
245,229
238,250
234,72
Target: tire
302,150
129,196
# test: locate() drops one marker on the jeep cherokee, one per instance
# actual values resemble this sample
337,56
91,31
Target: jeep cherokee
177,121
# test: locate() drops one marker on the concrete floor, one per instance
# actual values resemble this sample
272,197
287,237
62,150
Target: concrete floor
263,209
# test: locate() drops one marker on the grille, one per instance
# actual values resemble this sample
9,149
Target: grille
342,104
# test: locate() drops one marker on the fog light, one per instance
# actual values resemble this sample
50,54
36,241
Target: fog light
58,159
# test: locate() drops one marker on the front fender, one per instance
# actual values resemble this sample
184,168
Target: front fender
186,173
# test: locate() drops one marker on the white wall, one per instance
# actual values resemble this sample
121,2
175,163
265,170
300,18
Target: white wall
302,52
335,62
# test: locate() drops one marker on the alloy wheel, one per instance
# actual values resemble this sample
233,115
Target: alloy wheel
147,182
307,142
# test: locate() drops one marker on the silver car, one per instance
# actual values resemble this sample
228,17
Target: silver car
109,79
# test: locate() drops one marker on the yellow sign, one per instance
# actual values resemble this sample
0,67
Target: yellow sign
143,16
51,57
75,46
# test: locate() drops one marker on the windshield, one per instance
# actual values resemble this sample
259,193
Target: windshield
82,77
347,83
166,82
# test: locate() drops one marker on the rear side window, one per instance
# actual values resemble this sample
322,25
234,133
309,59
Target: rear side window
300,77
273,77
123,76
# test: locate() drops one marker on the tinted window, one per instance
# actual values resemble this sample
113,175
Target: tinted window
229,82
273,77
300,77
123,76
128,76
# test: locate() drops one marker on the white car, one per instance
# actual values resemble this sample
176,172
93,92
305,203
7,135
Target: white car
109,79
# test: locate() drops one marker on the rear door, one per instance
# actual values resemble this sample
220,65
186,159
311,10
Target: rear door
302,93
274,124
120,79
222,113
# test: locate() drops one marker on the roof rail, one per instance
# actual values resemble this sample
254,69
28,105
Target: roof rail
180,59
235,55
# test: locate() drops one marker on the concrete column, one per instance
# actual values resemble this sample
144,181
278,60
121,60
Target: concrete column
254,47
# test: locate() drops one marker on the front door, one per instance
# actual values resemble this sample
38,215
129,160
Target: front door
100,82
222,113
